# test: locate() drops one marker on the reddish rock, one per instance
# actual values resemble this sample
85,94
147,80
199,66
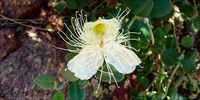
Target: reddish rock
8,42
20,8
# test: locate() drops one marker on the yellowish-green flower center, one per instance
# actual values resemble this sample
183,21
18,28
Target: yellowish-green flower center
100,29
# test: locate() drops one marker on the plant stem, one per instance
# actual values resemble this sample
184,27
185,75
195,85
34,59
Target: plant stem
12,20
171,78
150,29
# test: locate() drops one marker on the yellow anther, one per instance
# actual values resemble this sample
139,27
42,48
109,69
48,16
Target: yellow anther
100,29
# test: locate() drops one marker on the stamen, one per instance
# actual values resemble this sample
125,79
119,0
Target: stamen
141,66
118,13
137,50
112,74
99,80
75,51
74,45
128,33
121,13
74,28
86,20
108,66
128,11
121,16
131,39
76,39
74,42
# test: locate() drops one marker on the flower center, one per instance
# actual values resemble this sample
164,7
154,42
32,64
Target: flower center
100,29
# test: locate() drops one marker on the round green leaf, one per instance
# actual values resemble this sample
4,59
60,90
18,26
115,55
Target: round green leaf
169,57
75,92
161,8
68,75
58,96
171,42
196,23
188,10
59,8
45,81
187,41
188,65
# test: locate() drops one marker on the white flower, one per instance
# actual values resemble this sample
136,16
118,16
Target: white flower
99,42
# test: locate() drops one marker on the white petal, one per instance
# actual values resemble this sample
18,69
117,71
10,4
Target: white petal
85,64
123,59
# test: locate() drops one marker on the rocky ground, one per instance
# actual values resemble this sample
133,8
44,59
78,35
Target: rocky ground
24,55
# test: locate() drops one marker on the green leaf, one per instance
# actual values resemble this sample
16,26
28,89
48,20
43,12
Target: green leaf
83,83
81,3
68,75
60,86
171,42
105,75
167,27
188,65
188,10
59,8
196,23
19,29
146,11
139,7
58,96
134,91
169,57
173,95
192,54
160,36
148,67
187,41
72,4
45,81
143,79
161,8
75,92
145,35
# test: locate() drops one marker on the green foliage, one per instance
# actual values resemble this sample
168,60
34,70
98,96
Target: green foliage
188,65
68,75
143,79
75,92
173,95
139,7
45,81
161,8
187,41
188,10
196,22
59,8
171,42
58,96
169,57
19,29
